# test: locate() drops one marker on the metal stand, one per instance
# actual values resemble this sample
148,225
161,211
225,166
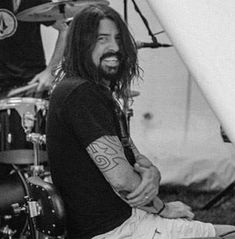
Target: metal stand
36,170
37,140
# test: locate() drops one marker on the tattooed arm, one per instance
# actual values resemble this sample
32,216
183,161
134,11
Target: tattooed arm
108,154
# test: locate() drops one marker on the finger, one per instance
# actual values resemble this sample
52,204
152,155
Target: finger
187,207
141,189
143,199
143,195
144,183
140,200
188,215
140,169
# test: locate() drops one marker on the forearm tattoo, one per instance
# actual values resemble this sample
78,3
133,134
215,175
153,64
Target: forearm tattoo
106,152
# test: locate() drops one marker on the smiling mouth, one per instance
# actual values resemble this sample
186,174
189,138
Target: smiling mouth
111,61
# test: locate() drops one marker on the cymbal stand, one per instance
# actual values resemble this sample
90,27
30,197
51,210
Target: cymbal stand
36,139
28,122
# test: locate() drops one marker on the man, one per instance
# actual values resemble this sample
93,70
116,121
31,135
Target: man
109,189
22,59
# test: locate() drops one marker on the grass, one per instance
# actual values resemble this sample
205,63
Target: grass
223,212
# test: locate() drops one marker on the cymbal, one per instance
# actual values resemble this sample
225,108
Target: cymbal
55,10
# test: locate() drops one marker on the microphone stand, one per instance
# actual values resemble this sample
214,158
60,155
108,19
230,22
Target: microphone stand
125,11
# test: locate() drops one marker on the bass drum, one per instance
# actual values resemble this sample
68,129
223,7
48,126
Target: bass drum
13,189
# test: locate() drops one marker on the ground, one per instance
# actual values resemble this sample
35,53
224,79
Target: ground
222,212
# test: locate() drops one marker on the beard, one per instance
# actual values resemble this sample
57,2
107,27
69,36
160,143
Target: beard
108,72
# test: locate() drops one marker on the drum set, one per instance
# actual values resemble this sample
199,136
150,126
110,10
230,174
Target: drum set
23,133
22,154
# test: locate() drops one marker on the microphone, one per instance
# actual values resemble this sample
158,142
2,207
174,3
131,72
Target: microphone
151,45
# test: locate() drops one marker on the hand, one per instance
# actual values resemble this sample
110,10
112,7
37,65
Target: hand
60,25
147,189
177,210
143,161
44,80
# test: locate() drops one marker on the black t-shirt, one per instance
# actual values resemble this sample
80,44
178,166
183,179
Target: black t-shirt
21,50
78,115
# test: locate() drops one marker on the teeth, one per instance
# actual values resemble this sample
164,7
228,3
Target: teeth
112,58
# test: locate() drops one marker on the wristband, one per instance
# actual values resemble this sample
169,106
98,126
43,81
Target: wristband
162,208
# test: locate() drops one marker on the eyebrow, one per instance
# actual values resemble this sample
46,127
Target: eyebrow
104,34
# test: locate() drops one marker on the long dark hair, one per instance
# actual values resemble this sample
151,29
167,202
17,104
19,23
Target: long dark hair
81,39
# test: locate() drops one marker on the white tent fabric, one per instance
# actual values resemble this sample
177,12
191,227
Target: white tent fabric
203,33
172,124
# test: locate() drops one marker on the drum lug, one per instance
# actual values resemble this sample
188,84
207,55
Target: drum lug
34,208
7,231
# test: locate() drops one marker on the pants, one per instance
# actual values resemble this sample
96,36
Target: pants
142,225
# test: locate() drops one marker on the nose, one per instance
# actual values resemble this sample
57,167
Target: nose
114,46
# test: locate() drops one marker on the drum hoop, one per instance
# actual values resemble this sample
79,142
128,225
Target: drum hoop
16,101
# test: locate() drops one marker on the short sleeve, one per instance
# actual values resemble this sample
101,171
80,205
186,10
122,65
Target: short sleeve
89,116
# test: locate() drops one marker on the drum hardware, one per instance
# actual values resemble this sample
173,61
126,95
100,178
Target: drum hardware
19,210
19,117
29,208
32,208
28,116
55,10
13,223
7,232
35,138
44,209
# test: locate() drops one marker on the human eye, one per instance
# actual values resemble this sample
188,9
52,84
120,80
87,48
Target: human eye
102,38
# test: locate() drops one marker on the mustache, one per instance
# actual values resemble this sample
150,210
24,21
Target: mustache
110,54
